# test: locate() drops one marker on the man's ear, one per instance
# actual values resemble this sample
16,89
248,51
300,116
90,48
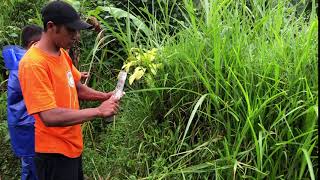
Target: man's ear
50,25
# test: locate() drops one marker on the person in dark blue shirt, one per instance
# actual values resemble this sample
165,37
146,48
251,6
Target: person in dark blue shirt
20,124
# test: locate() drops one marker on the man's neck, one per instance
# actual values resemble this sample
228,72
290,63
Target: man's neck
47,44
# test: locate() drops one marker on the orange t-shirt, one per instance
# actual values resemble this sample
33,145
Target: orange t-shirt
49,82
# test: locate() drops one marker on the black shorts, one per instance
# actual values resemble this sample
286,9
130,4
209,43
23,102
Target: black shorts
51,166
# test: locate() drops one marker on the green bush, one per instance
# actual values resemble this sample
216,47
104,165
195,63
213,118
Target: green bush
235,99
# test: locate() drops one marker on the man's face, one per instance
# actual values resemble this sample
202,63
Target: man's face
64,37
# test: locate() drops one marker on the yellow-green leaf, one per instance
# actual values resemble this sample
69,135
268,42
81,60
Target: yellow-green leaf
138,57
138,73
131,58
128,65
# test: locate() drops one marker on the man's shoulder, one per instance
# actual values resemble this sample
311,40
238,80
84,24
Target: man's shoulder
32,56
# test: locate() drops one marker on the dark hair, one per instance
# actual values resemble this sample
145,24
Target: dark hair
29,33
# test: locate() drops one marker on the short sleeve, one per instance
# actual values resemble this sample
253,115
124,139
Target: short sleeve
76,74
36,87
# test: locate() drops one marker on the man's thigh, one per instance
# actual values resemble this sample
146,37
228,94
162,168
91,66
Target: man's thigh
58,167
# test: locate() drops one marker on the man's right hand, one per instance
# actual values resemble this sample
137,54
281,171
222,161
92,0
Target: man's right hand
109,107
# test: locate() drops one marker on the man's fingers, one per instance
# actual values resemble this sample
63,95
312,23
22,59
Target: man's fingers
110,107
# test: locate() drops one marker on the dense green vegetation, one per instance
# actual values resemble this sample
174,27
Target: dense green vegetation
236,96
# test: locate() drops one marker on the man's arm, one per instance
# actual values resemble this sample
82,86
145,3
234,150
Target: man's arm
87,93
68,117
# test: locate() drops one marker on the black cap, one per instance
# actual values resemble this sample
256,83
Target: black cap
62,13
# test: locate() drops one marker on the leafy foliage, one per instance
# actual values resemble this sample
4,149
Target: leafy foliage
142,62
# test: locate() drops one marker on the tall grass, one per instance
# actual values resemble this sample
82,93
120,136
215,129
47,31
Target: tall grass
237,98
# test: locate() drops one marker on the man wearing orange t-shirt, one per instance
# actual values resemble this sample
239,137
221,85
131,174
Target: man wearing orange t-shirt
51,88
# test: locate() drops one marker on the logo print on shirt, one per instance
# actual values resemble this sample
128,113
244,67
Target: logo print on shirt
70,79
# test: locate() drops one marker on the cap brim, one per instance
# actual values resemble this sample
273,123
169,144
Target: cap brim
78,25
